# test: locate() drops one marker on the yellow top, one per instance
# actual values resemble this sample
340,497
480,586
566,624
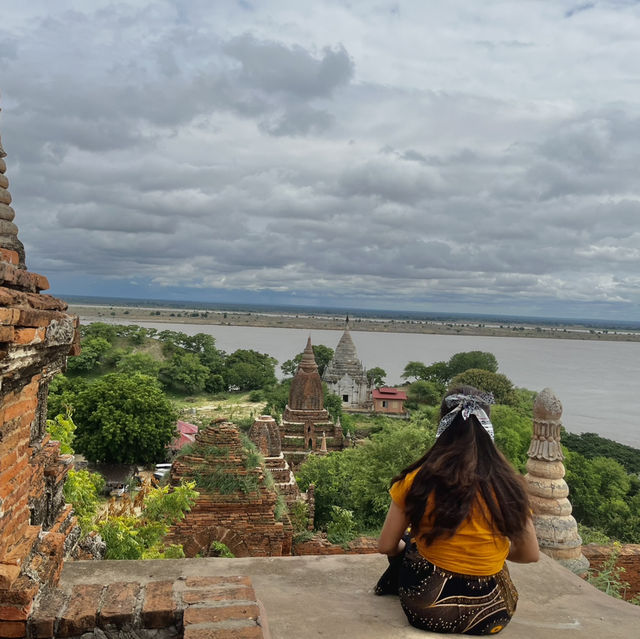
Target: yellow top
474,549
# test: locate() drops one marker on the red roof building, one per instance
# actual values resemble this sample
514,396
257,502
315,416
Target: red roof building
389,401
186,435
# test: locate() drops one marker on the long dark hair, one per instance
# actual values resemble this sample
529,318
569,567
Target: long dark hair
462,467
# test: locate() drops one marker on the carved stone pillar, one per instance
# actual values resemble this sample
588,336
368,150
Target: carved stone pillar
556,529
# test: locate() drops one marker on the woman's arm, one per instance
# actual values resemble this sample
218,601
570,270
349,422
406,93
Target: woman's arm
390,542
524,549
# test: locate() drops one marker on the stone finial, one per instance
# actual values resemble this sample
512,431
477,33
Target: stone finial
308,361
8,230
556,529
545,442
323,444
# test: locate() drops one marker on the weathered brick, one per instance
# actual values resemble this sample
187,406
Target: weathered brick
6,333
21,406
26,280
11,629
206,582
219,594
32,317
80,615
159,607
44,617
11,257
8,297
42,283
24,336
118,603
204,632
9,315
15,613
215,614
8,575
21,593
8,273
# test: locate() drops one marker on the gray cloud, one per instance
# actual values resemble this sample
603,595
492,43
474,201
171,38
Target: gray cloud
203,148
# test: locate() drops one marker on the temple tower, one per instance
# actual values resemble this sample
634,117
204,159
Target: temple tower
556,529
265,434
346,377
305,418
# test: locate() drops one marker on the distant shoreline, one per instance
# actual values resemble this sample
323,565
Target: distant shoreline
169,315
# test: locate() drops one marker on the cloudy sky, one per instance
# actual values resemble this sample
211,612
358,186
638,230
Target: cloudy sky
419,154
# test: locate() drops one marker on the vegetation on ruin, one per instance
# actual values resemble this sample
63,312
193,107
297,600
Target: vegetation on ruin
135,530
81,490
62,429
130,528
217,478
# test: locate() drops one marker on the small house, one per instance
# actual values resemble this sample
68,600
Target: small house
389,401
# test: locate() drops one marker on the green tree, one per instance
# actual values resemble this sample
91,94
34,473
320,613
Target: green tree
62,394
185,372
461,362
93,351
248,370
124,419
108,332
375,376
277,397
332,403
131,363
357,479
417,370
423,392
512,434
496,383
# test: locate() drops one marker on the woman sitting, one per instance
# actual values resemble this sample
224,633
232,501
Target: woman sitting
468,511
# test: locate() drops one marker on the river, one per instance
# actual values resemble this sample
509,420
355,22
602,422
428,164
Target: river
595,381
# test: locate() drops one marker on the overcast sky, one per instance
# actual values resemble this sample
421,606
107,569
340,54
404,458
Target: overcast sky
422,155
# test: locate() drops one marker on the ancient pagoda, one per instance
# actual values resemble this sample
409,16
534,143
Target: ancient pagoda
237,506
305,419
346,377
556,529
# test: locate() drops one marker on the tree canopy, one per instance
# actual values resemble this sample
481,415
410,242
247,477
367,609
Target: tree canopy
123,419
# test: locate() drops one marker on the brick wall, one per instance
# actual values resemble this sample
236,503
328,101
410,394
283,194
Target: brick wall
37,526
320,545
628,558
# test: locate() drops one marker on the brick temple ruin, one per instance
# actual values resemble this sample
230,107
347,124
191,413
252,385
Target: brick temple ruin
236,506
306,425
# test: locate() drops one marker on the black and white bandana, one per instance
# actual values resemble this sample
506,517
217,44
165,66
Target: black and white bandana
467,405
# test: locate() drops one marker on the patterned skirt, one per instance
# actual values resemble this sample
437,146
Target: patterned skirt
442,601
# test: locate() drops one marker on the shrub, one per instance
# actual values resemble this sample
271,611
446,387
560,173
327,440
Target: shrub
342,527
